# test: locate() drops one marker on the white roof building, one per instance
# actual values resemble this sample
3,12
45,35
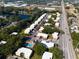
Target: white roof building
27,30
52,18
57,24
54,14
77,31
26,51
58,14
9,4
34,24
47,55
46,20
3,42
47,24
49,9
49,16
23,5
14,33
55,35
57,19
74,29
48,43
41,28
42,35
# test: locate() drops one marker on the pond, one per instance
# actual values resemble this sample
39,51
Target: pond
22,16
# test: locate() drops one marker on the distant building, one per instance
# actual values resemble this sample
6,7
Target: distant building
49,9
9,4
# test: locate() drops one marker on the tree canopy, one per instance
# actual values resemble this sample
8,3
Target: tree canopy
57,53
50,30
75,37
39,48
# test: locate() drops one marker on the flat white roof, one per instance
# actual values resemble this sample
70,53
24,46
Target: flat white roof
27,30
57,19
57,24
26,51
14,33
58,14
55,35
48,44
47,55
3,42
42,34
41,28
47,24
49,16
47,8
34,24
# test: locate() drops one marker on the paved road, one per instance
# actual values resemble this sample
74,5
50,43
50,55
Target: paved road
65,39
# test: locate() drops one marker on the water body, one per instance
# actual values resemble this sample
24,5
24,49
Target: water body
20,15
33,1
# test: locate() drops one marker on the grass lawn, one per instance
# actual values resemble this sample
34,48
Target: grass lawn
75,37
35,56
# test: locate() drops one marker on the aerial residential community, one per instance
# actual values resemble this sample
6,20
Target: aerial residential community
39,29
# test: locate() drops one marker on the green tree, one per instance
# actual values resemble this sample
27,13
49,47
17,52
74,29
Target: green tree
57,53
50,30
39,48
13,42
8,9
75,37
52,22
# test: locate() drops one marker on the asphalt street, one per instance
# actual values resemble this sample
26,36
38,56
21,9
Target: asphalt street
65,40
